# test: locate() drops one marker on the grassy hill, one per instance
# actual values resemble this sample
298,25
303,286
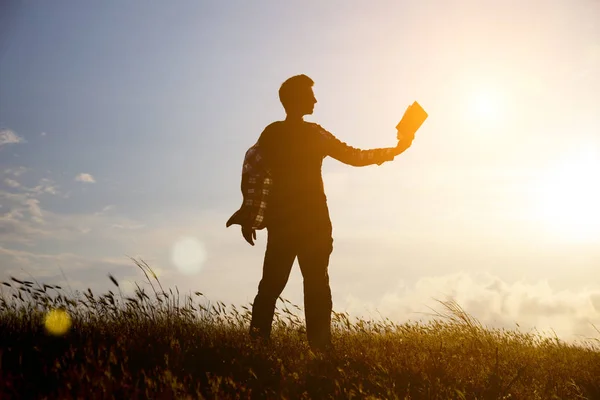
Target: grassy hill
161,345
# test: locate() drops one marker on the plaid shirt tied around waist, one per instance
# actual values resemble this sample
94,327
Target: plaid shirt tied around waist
256,184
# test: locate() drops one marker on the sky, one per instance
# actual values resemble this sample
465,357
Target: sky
123,127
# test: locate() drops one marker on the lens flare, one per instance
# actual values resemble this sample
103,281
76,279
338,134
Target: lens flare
188,255
57,322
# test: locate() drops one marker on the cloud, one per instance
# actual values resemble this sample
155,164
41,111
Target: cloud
26,259
50,190
34,210
43,134
45,186
81,271
20,223
9,137
105,210
12,183
494,302
25,221
58,240
87,178
17,171
17,231
129,226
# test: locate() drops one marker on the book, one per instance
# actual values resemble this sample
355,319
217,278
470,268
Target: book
411,121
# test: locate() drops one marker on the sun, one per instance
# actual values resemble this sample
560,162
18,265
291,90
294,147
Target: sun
569,197
485,105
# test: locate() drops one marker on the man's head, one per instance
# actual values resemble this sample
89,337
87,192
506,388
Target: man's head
297,96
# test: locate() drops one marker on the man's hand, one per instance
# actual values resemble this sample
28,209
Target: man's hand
404,142
249,234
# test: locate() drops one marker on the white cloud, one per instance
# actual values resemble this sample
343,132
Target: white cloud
9,137
87,178
17,171
25,221
105,209
21,224
495,303
129,226
12,183
34,210
45,186
51,190
13,229
43,265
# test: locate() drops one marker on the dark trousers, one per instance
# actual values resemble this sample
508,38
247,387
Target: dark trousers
311,241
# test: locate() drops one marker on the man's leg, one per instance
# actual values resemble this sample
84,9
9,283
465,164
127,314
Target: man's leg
279,258
313,257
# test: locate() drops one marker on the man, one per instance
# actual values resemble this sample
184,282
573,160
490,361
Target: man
283,191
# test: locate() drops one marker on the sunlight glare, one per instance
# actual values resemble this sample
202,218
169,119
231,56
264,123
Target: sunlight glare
188,255
569,201
485,105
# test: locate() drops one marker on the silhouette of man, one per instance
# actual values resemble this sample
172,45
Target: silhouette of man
283,192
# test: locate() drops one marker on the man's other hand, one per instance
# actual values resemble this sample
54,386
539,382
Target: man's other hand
249,234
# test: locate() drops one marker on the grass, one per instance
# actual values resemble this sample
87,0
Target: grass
162,345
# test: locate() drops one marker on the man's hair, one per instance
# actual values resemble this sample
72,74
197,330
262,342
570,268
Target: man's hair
290,88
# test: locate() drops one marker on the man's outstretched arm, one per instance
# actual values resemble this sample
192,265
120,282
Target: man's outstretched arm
339,150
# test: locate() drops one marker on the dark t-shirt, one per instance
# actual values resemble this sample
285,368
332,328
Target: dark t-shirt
294,153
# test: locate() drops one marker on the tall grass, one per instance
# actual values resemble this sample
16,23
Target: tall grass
160,344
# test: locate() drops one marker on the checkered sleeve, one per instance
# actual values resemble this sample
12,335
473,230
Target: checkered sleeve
339,150
255,186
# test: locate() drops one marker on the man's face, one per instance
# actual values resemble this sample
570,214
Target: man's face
307,101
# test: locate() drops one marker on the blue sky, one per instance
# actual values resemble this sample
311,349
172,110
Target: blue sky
124,125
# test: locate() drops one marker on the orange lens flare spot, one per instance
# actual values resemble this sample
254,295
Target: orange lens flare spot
57,322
